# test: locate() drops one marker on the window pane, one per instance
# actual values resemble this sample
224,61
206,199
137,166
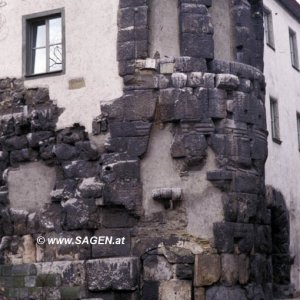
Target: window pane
55,31
39,61
55,58
38,34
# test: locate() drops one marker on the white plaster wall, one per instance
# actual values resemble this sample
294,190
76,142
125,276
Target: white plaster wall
34,192
91,36
201,200
221,20
164,28
283,83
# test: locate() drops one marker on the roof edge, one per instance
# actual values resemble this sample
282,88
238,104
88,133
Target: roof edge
292,6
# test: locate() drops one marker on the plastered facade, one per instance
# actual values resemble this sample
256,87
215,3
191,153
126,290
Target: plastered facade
90,54
196,121
282,85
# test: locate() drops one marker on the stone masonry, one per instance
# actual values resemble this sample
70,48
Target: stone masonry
209,104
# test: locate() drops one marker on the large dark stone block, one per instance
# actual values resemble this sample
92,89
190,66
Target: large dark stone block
197,45
111,242
225,293
126,194
65,152
112,274
80,213
196,23
228,234
80,169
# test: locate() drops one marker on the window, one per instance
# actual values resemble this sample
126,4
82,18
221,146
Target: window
298,129
268,25
44,43
294,49
275,120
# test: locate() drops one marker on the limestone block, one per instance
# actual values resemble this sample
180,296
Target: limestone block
227,81
120,273
179,80
175,290
207,269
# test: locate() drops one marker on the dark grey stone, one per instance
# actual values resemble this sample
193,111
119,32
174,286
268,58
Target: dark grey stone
113,242
197,45
184,271
112,274
80,169
225,293
80,213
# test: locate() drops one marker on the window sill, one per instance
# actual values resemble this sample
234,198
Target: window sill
41,75
276,140
271,46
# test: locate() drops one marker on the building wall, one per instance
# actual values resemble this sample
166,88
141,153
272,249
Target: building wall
91,49
205,231
282,166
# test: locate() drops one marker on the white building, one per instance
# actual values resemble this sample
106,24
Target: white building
281,58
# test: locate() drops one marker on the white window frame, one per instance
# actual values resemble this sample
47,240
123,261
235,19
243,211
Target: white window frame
268,26
275,120
28,20
293,48
298,129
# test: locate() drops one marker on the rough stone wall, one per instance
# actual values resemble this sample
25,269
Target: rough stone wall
208,104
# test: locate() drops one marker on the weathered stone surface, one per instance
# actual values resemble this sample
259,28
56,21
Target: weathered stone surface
200,79
230,269
111,242
196,23
207,269
179,80
227,233
112,273
175,290
225,293
199,293
150,290
156,268
200,46
184,271
65,152
190,64
90,188
244,268
227,81
80,213
80,169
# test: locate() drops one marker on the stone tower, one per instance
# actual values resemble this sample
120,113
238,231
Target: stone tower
179,180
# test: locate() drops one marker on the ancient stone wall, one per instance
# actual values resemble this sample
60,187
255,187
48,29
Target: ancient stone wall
209,106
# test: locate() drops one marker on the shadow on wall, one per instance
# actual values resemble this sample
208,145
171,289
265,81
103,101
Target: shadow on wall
281,259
